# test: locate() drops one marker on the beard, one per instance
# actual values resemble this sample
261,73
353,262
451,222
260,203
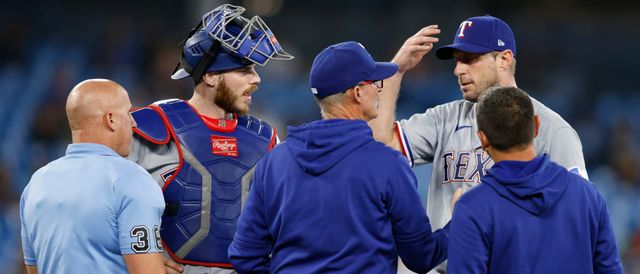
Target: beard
480,87
231,101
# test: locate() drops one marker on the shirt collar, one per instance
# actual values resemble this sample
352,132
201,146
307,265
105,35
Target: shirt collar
90,148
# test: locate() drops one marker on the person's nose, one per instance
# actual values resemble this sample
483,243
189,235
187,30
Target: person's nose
133,121
460,68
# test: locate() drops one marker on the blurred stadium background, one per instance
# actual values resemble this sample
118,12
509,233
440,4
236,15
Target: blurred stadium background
578,57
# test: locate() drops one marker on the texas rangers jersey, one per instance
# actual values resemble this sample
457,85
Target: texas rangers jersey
446,136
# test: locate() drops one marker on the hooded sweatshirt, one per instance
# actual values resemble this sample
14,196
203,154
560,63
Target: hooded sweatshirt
532,217
331,199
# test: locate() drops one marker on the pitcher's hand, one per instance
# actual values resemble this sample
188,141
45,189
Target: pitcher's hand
415,48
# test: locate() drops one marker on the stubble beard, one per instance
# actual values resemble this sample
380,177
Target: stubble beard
480,88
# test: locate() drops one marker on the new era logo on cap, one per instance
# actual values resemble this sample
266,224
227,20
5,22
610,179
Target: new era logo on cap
480,34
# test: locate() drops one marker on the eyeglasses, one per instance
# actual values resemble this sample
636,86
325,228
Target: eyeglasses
378,84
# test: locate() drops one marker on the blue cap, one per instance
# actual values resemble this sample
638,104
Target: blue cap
480,34
342,66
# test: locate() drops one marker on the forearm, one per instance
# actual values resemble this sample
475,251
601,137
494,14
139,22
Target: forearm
407,57
382,126
149,263
32,269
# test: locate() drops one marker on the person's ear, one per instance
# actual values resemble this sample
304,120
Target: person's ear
211,79
536,125
109,122
483,140
357,94
506,59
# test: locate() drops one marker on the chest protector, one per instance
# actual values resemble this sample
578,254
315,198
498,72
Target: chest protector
205,194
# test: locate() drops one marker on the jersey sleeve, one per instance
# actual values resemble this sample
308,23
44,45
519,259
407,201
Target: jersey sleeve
418,136
565,149
160,160
138,149
139,203
27,248
420,249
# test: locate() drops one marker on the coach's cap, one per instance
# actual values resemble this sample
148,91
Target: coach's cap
480,34
342,66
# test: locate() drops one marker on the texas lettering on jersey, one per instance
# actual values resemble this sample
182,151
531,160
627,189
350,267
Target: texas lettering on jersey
465,166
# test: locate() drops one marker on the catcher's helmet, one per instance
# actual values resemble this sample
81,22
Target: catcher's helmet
226,41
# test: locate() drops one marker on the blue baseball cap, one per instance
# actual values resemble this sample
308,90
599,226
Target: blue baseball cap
480,34
342,66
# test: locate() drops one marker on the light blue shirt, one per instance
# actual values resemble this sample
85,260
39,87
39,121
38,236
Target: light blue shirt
82,212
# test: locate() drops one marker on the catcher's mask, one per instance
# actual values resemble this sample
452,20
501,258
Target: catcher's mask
225,40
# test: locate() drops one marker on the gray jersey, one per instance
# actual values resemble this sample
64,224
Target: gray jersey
159,160
446,136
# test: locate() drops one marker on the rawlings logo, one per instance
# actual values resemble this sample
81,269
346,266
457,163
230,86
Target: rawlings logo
224,146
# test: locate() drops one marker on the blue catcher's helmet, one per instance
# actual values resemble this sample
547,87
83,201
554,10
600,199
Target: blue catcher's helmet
227,41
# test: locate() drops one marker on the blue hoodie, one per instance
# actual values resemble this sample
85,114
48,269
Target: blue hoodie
331,199
532,217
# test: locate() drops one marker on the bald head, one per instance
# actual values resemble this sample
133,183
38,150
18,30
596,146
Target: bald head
90,99
98,112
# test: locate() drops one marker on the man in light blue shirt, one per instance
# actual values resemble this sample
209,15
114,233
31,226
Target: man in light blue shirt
92,211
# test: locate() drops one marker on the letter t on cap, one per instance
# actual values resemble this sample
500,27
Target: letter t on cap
463,26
